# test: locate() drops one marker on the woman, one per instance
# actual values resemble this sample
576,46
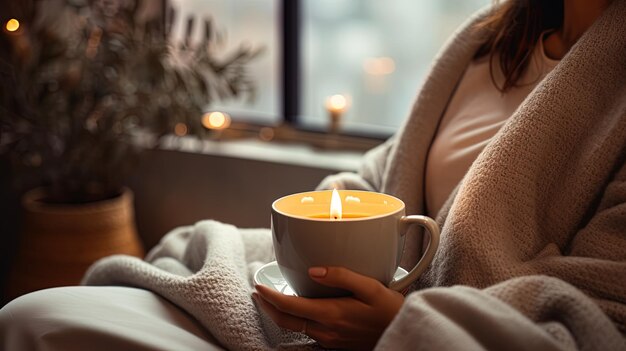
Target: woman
538,147
546,213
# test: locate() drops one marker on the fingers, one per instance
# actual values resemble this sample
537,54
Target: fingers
342,322
325,336
364,288
297,306
283,320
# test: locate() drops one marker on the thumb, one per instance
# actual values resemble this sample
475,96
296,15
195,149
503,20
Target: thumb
363,287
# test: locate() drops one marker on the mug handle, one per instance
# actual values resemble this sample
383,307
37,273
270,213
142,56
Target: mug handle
433,243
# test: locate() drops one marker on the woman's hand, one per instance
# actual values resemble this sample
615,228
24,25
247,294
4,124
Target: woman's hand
354,322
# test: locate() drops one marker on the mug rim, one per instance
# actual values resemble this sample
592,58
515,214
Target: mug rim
400,209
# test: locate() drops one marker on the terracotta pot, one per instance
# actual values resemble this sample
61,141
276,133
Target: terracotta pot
59,242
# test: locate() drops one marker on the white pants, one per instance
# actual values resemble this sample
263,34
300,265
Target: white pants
99,318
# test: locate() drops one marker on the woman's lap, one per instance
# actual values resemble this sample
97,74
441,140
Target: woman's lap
99,318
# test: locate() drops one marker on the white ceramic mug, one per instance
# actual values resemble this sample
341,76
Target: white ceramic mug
368,239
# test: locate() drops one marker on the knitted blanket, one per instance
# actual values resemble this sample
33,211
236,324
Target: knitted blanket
547,197
206,270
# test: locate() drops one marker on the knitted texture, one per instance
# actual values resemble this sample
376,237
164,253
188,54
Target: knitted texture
553,182
547,196
205,269
465,318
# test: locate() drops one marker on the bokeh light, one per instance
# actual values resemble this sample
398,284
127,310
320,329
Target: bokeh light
180,129
216,120
12,25
379,66
336,103
266,133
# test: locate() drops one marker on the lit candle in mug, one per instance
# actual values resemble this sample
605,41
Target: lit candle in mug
360,230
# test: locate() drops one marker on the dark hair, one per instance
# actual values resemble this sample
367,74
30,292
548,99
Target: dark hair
514,28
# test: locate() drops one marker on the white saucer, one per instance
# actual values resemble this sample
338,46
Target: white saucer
270,276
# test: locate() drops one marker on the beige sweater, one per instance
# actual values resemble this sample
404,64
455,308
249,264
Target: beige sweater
547,197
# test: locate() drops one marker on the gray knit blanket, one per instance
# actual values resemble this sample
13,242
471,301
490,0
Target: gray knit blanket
533,245
206,269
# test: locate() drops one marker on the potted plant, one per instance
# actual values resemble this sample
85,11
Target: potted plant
85,87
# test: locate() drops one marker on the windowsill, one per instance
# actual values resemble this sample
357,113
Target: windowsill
291,153
286,133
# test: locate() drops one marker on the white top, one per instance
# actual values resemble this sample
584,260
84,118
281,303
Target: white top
476,112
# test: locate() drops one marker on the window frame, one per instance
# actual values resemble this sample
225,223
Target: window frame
290,71
291,38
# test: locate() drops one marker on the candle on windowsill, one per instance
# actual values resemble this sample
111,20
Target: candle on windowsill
336,105
217,122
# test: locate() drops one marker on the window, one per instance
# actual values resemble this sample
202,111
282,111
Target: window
242,22
374,53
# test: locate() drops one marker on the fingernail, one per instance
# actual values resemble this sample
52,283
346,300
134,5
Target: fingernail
255,295
318,272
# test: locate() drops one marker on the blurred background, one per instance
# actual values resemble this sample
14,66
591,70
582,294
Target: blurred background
199,108
375,53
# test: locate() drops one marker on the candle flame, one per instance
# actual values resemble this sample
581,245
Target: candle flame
336,103
335,205
216,120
